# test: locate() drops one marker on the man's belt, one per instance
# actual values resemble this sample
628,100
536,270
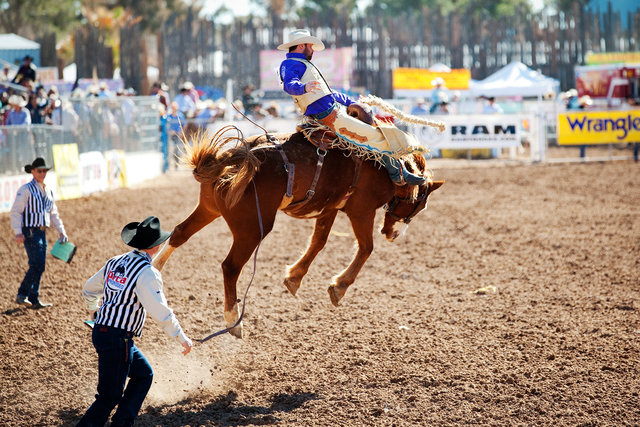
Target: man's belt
323,114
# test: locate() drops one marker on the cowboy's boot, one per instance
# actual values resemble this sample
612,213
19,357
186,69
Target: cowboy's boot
398,174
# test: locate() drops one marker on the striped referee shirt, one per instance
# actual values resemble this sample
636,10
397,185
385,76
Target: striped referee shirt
35,207
130,287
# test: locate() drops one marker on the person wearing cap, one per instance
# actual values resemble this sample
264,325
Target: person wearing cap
26,73
33,210
161,90
4,77
438,91
129,287
18,114
185,103
315,99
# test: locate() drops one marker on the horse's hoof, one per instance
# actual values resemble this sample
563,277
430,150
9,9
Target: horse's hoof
292,285
237,331
335,295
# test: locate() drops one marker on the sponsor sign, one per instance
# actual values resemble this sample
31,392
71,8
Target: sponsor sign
336,66
116,169
9,188
420,78
93,172
599,127
612,58
468,131
65,159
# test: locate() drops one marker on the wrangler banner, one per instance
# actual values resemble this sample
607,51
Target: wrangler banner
599,127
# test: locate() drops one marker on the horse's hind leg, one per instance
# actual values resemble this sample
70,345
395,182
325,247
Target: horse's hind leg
200,217
363,230
297,271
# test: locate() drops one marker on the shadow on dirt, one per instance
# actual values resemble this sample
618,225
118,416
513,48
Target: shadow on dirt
224,411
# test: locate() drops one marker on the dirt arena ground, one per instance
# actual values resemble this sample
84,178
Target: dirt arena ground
513,300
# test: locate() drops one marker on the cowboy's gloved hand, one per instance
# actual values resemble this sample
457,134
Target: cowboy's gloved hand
62,238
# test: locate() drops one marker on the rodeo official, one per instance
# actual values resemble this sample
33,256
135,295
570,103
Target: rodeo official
315,99
31,213
130,287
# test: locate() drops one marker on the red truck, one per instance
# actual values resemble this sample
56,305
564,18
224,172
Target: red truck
609,81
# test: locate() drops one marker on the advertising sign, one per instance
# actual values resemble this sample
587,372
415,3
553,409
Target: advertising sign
420,78
93,172
336,65
65,159
599,127
116,168
8,189
468,131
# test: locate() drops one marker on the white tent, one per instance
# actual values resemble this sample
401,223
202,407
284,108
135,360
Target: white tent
515,79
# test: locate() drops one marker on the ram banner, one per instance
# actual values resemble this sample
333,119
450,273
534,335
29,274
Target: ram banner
469,131
598,127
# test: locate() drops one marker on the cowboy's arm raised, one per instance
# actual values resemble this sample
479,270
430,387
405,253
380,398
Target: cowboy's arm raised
149,292
291,72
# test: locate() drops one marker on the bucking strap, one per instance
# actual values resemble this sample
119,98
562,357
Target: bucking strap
291,172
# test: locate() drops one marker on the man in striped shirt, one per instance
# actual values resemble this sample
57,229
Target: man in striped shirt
32,212
130,287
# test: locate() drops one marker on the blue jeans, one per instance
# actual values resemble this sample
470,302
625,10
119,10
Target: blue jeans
118,358
35,243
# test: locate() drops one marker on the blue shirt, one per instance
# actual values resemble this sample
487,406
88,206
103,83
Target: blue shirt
291,71
22,117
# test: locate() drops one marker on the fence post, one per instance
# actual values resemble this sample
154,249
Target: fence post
165,146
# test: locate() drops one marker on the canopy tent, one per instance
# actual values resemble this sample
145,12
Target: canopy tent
515,79
13,48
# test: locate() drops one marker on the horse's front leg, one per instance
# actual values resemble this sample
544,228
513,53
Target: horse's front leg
201,216
363,230
297,271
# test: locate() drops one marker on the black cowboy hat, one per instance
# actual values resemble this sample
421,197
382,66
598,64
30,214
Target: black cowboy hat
38,163
144,235
28,57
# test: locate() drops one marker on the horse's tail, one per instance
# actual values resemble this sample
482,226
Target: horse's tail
226,162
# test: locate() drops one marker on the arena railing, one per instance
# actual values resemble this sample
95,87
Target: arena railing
130,124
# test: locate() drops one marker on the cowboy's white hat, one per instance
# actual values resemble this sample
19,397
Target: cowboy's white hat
17,100
299,36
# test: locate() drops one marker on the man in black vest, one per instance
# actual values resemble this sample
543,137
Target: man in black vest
129,287
32,212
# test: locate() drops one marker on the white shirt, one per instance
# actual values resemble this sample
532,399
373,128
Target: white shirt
21,202
149,291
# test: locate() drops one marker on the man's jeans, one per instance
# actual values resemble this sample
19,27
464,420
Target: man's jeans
118,357
35,243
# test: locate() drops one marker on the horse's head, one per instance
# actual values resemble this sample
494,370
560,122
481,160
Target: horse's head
406,203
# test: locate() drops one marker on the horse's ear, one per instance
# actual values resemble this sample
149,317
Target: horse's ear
433,186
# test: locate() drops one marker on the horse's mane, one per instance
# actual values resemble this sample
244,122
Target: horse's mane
224,161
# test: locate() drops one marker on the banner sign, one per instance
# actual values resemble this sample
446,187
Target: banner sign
65,159
421,78
336,66
93,172
9,188
117,171
468,131
592,58
599,127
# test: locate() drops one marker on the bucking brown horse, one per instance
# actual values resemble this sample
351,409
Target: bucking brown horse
248,181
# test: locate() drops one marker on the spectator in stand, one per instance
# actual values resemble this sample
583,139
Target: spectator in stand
4,106
419,109
4,77
35,110
192,92
175,122
103,91
161,90
491,107
438,88
442,106
26,73
185,103
18,115
250,102
64,115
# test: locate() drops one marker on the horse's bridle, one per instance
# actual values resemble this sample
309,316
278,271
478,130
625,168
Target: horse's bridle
395,201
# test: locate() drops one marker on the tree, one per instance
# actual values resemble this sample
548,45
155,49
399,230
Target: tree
33,18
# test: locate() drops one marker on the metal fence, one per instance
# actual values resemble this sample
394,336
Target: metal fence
124,123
